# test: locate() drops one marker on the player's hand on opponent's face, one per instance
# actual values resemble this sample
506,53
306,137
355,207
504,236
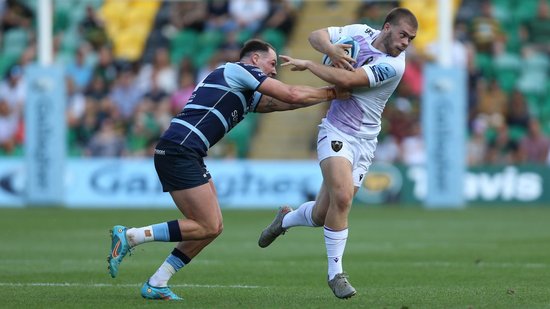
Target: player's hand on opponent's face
340,58
297,64
342,93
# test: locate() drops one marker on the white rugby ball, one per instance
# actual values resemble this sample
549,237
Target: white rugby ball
353,51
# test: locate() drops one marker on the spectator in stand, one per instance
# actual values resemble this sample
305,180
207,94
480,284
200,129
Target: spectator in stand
485,29
107,142
501,148
387,150
143,128
76,104
15,15
189,15
534,147
474,78
92,29
74,113
517,118
157,106
486,32
249,14
281,17
12,99
537,30
492,99
105,67
230,47
413,150
459,52
413,77
163,71
86,128
373,13
186,64
399,116
95,92
156,94
182,95
8,128
218,16
477,143
533,75
125,95
79,70
212,64
28,56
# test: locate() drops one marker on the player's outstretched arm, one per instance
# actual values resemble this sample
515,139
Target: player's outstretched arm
341,78
278,96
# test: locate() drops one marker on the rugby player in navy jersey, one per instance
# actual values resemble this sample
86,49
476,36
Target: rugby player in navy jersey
218,103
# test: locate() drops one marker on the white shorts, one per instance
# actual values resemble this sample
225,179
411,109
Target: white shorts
332,142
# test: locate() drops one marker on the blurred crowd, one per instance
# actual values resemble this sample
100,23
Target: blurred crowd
503,47
116,106
119,107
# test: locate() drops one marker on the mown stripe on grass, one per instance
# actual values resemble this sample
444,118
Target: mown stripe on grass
101,285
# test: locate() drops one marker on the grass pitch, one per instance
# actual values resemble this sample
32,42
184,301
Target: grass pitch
396,258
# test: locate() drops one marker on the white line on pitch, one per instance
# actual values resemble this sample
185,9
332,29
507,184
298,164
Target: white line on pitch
100,285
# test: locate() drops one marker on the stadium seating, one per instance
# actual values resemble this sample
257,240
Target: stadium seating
519,68
506,68
15,40
183,45
427,16
129,31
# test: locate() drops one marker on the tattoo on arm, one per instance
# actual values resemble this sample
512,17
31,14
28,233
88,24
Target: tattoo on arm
270,102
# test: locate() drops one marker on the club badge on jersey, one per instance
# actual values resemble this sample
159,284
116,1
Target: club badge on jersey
336,145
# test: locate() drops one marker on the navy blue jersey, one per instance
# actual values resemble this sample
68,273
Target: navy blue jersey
217,104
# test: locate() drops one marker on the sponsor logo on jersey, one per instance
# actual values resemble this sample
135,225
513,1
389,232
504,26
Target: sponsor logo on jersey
382,71
258,72
369,31
336,145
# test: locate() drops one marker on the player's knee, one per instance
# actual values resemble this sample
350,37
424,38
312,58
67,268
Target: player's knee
220,228
213,230
342,199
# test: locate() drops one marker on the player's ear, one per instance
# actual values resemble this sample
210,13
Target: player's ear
255,57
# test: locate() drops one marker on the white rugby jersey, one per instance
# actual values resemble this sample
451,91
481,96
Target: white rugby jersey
361,114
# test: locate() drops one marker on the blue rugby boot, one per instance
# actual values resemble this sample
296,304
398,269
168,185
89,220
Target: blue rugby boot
119,248
151,292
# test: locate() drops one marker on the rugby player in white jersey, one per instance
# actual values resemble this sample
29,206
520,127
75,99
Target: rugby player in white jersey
348,134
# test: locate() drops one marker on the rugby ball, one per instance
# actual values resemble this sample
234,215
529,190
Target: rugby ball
353,51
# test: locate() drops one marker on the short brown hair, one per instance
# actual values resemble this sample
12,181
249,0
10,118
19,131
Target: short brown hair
254,45
396,15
